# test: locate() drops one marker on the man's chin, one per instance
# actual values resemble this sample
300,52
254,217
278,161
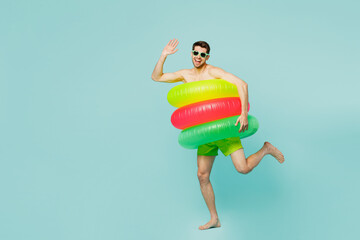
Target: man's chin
198,66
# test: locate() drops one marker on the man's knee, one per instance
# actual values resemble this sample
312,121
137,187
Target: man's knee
203,177
243,170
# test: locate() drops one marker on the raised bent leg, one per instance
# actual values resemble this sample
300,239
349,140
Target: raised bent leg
244,165
205,164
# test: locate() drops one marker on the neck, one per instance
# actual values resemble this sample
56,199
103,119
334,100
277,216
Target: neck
201,69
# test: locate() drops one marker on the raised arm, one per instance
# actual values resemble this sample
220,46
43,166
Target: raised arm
243,93
158,74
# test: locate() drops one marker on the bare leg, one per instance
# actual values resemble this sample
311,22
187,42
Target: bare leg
204,168
244,165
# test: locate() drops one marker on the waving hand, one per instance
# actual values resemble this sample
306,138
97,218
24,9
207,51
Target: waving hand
170,47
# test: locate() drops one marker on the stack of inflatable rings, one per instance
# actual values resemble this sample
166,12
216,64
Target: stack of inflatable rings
207,111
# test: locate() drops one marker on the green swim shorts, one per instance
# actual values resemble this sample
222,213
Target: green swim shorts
227,146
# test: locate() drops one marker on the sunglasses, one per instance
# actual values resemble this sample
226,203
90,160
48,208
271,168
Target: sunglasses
203,55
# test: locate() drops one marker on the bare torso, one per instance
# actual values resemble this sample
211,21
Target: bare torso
192,75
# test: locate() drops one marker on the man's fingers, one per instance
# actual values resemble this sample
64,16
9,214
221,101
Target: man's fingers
241,126
245,128
174,43
174,51
237,121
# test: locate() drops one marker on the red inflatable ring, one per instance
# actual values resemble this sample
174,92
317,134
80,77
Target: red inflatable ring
206,111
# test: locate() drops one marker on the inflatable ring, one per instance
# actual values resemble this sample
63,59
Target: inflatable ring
206,111
212,131
198,91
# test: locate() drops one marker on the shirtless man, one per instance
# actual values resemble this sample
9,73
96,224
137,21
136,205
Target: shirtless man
232,146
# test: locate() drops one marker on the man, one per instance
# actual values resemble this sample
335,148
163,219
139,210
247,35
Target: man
232,146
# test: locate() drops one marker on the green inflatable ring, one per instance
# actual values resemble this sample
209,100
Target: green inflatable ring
193,137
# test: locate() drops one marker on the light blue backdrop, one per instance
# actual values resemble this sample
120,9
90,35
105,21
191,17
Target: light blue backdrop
87,150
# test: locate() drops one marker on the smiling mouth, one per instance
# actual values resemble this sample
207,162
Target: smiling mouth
197,61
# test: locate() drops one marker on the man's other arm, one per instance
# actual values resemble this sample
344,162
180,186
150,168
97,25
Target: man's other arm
243,93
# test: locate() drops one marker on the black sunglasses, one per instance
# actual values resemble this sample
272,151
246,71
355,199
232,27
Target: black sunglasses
203,55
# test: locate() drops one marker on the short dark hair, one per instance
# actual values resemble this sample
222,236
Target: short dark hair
202,44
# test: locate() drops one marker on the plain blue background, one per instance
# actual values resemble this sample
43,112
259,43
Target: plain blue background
87,149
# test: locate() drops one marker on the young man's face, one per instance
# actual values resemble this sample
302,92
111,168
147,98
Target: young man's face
199,61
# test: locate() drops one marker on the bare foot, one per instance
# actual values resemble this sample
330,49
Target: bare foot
273,151
213,223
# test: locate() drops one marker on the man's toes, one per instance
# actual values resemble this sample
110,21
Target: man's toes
203,227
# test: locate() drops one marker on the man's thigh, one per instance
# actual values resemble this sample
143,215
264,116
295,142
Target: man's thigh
205,163
239,160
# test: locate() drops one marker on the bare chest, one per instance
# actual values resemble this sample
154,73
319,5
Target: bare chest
191,77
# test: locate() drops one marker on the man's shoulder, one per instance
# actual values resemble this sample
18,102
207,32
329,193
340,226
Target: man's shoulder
215,71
